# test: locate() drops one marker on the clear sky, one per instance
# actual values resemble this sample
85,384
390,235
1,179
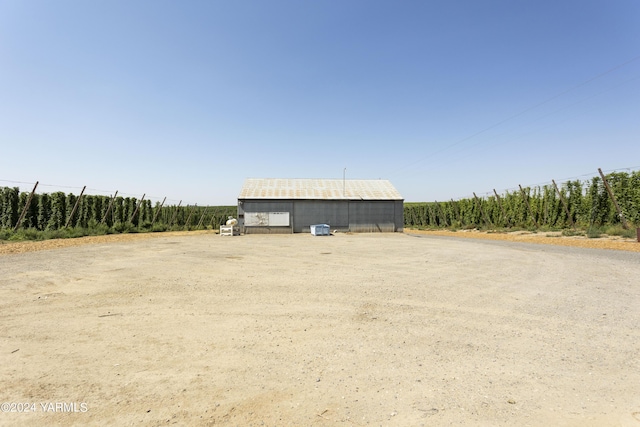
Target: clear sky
186,99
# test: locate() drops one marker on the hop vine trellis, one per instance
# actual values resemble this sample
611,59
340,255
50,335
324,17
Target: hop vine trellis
55,211
573,203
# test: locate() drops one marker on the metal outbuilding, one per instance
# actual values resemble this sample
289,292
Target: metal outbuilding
271,206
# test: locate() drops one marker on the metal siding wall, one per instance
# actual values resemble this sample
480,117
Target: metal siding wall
309,212
372,216
357,216
267,206
399,207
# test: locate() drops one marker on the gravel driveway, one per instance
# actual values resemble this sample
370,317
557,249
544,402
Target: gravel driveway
363,329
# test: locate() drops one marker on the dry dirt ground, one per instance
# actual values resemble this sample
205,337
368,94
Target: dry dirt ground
365,329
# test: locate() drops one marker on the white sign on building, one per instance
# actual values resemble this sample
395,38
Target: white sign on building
266,219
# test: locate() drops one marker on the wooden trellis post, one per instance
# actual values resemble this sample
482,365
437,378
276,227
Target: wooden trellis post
186,223
75,207
526,200
175,214
504,215
564,203
158,210
202,217
26,206
486,218
109,207
615,202
136,210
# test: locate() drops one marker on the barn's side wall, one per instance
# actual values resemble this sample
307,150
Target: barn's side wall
309,212
399,215
344,215
367,216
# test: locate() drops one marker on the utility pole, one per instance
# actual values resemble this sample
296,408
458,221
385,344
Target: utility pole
344,183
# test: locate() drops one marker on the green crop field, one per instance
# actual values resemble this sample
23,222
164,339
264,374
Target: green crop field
582,205
52,215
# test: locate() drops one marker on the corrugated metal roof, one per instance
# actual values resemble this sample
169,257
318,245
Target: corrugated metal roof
318,189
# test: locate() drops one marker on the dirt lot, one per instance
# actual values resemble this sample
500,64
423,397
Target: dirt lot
372,329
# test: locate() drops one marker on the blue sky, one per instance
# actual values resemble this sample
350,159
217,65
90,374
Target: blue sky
443,98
